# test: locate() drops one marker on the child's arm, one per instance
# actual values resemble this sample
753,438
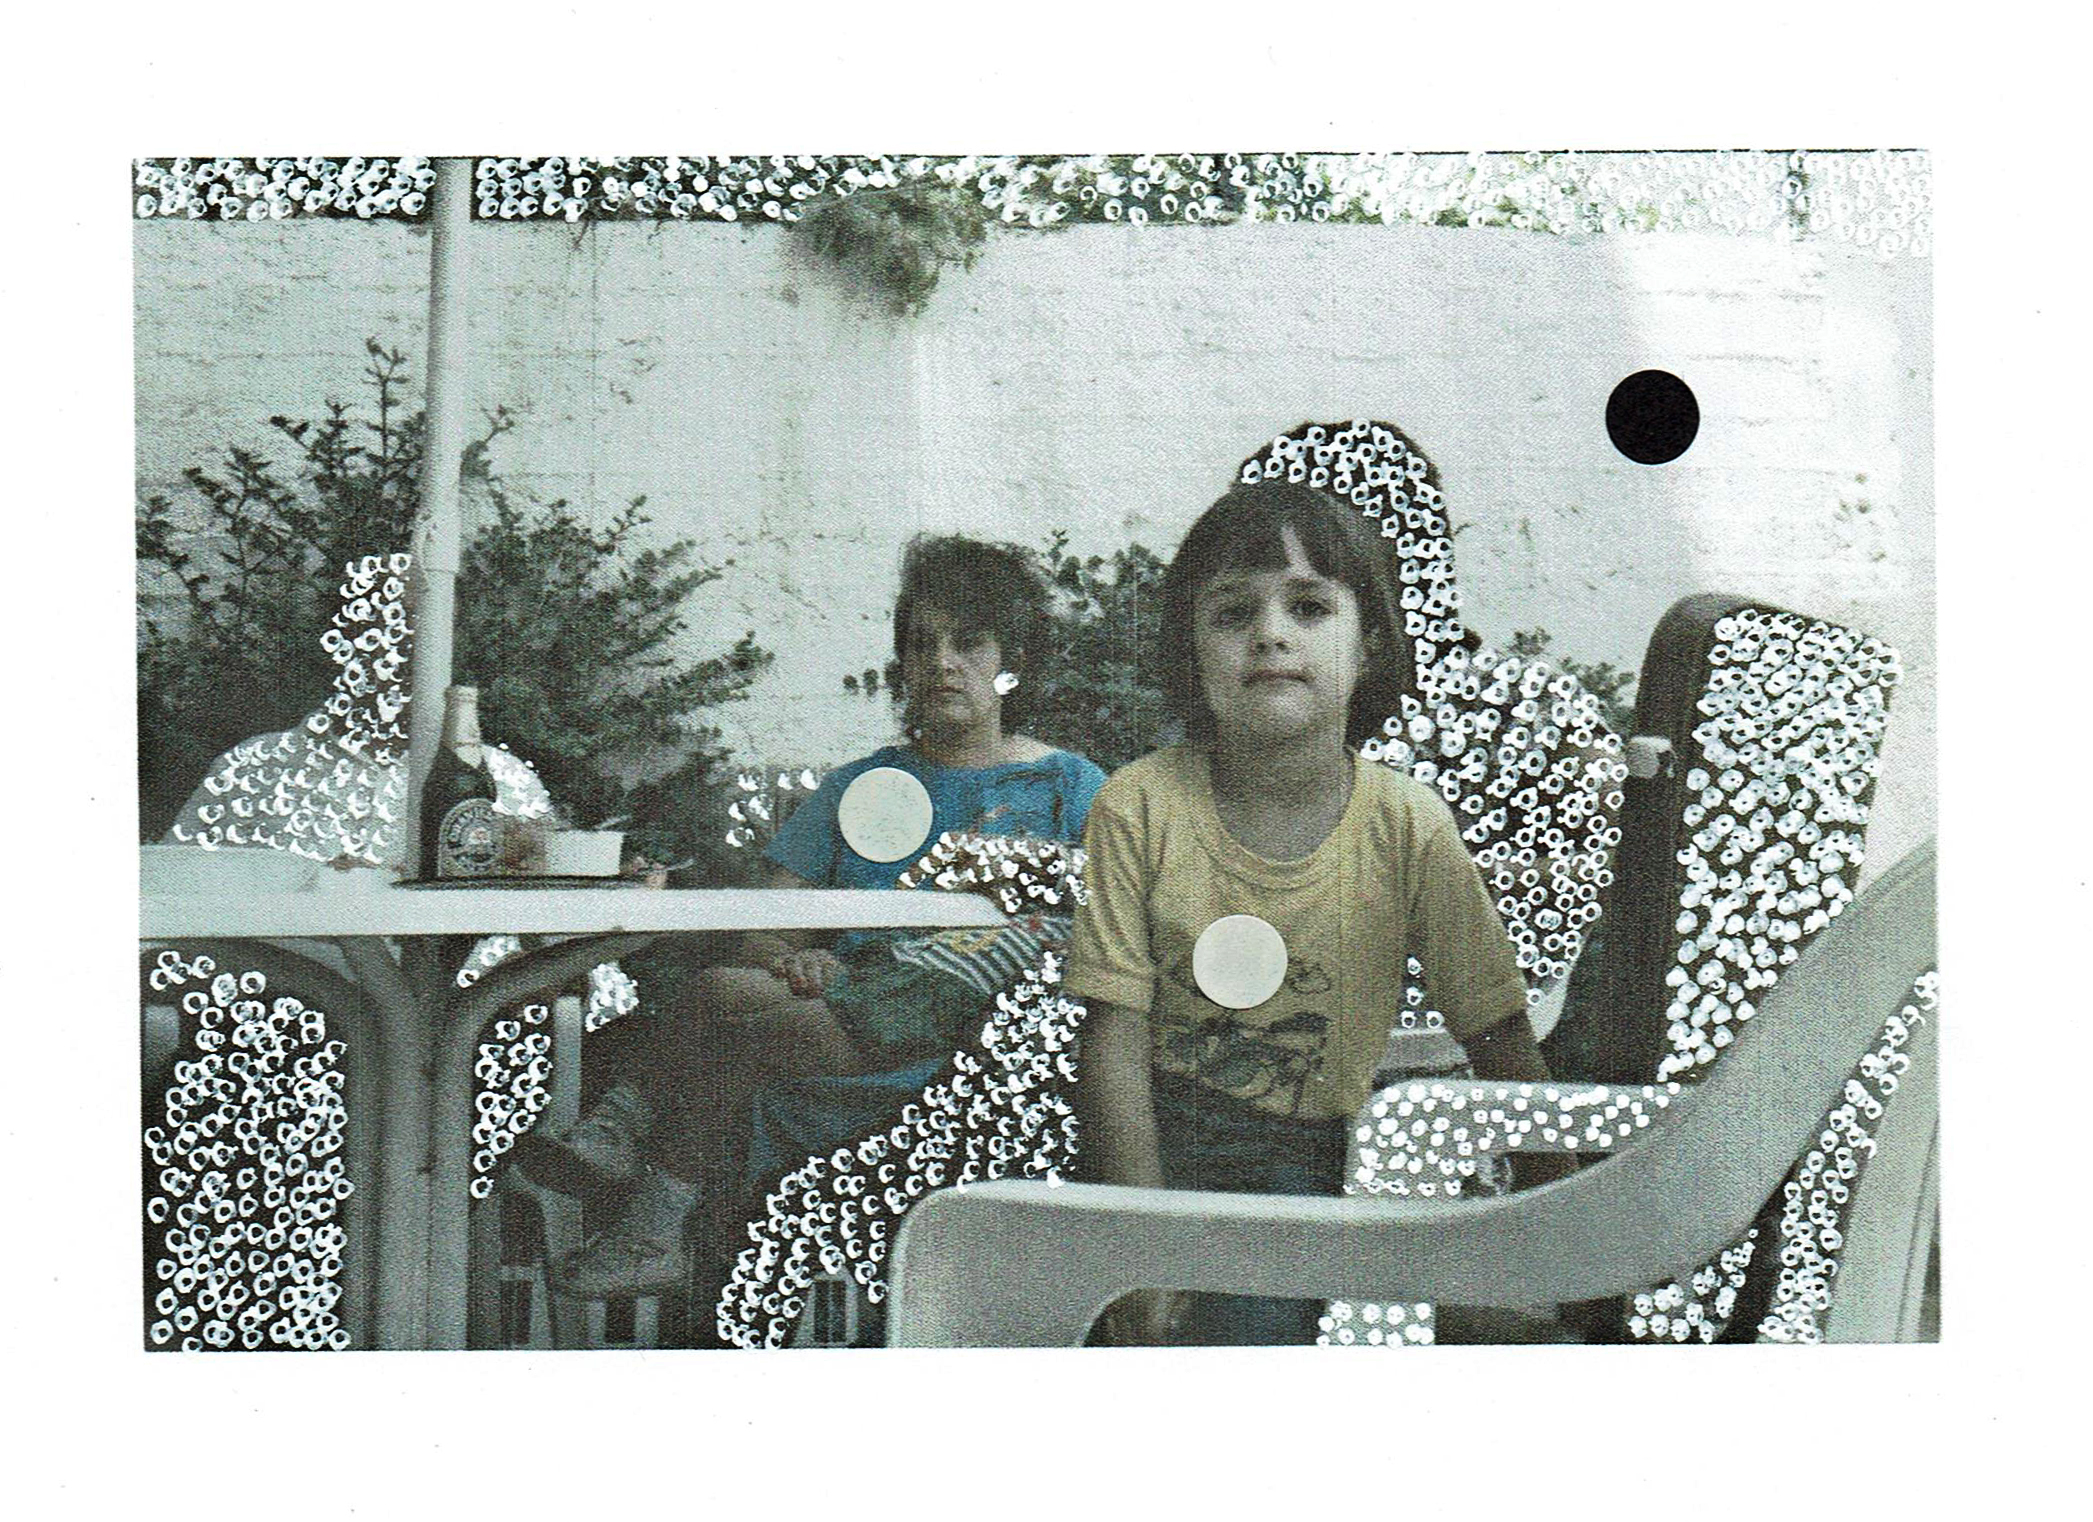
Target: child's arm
1116,1106
804,853
1507,1053
1114,1102
1110,959
1111,971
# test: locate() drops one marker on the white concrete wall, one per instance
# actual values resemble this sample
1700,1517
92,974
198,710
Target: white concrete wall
1109,379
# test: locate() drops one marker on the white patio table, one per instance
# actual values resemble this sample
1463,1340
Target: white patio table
414,1051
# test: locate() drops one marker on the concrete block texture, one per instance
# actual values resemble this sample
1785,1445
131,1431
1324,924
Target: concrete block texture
1108,380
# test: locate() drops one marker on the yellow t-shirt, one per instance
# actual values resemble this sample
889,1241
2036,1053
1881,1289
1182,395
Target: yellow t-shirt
1393,880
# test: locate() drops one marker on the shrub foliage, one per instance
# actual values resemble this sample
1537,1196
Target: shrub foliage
571,630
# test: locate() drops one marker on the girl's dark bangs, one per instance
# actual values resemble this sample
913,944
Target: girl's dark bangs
967,615
1251,542
973,593
1257,542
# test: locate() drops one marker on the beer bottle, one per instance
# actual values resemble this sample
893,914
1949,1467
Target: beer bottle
461,833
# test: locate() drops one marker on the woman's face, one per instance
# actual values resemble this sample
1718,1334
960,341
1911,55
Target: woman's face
1279,652
949,672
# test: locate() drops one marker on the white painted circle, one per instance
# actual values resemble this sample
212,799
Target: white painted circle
1239,961
884,814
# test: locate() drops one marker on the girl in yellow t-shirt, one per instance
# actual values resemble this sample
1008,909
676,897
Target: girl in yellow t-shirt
1253,894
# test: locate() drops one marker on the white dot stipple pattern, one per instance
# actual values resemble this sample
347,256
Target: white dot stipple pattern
1239,961
1881,201
885,814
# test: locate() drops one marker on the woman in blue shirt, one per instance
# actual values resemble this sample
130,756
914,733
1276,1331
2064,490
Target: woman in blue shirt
968,625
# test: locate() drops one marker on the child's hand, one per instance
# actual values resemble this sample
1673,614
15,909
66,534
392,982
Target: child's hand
807,972
1147,1318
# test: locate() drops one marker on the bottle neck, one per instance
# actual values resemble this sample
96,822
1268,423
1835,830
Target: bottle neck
461,725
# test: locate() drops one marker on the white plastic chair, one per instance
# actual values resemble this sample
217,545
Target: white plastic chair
1014,1263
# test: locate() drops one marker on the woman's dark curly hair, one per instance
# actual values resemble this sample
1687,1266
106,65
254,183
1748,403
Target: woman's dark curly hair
1245,531
981,587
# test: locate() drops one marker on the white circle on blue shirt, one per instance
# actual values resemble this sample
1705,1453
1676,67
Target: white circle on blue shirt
1239,961
884,814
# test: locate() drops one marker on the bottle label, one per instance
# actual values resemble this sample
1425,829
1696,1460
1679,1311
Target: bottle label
468,842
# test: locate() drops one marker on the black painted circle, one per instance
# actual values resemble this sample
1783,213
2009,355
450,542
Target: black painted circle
1652,417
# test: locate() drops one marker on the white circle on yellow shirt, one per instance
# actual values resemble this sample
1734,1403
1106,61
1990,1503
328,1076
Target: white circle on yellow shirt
884,814
1239,961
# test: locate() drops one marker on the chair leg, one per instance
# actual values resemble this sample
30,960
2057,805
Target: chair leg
572,1323
832,1316
540,1334
575,1324
484,1274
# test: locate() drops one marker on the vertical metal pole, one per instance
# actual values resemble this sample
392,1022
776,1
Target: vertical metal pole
401,1192
451,1088
562,1231
437,539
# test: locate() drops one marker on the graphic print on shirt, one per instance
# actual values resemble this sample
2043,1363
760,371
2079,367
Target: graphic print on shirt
1035,808
1269,1062
992,958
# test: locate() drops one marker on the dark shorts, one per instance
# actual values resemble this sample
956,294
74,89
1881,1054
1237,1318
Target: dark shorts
1209,1140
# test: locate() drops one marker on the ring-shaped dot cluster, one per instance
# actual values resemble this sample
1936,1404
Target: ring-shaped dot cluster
1022,875
1772,833
518,790
1414,1015
487,953
1426,1139
513,1071
1816,1196
1792,717
1376,1324
250,1171
687,187
1518,750
1775,824
1881,201
1001,1113
267,190
514,1085
1814,1199
613,994
1449,1137
1698,1307
754,815
332,787
1534,777
1137,189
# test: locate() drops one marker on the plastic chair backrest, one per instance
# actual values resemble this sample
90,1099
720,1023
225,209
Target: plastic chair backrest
1764,727
1015,1263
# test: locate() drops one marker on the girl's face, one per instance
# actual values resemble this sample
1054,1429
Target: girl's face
950,673
1279,651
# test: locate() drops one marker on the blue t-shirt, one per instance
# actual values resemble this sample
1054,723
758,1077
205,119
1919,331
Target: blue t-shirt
1048,797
